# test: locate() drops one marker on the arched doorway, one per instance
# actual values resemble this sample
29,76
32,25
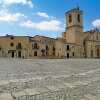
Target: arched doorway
43,52
91,53
67,55
12,54
19,54
35,53
98,53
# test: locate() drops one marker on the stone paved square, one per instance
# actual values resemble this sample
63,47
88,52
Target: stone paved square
49,79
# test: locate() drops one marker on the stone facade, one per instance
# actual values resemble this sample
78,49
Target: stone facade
74,43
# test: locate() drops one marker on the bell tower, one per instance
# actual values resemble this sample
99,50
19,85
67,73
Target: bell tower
74,25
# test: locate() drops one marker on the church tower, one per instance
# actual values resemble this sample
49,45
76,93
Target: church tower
74,25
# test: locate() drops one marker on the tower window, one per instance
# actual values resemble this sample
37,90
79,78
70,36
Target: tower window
78,18
70,18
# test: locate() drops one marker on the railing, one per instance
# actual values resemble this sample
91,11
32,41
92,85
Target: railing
18,47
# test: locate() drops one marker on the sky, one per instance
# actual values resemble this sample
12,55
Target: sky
44,17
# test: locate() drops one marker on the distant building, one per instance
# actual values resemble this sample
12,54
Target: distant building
74,43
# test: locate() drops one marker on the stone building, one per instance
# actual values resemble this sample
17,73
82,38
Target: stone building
27,47
74,43
14,46
80,44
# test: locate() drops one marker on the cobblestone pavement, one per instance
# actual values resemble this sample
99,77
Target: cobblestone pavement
49,79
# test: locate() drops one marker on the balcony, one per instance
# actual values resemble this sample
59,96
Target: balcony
35,46
19,46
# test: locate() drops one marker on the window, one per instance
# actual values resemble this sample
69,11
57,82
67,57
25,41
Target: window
35,46
11,44
35,53
67,47
19,46
70,18
11,37
78,18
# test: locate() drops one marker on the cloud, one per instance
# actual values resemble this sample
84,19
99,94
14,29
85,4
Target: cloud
96,23
45,15
11,2
42,14
6,16
52,25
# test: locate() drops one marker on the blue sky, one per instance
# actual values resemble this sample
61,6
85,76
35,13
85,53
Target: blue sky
44,17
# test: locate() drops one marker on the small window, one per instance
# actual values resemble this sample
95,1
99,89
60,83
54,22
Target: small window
78,18
70,18
11,44
11,37
67,47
